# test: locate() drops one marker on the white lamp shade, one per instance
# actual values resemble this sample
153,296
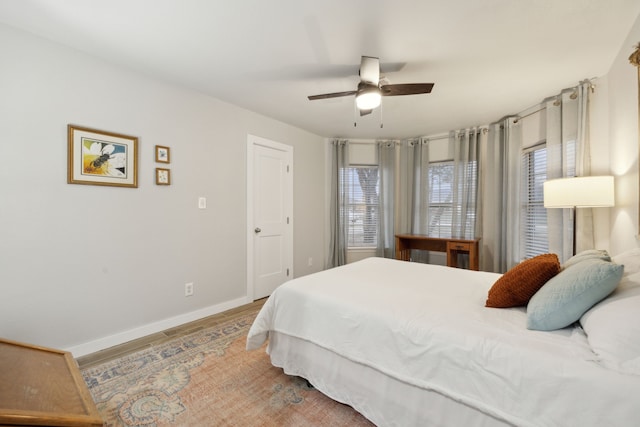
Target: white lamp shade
579,192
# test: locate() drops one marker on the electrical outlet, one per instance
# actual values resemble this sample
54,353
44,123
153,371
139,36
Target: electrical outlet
310,262
188,289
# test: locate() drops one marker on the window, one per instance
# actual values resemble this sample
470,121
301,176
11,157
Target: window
534,235
441,204
362,206
533,215
440,199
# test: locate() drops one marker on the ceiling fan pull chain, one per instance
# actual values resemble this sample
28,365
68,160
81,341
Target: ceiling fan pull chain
355,114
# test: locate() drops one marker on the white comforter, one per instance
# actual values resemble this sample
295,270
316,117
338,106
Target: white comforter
427,325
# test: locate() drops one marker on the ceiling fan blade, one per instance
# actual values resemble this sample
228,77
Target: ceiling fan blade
365,112
406,89
370,70
332,95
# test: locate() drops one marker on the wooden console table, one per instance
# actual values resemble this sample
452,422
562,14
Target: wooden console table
42,387
406,242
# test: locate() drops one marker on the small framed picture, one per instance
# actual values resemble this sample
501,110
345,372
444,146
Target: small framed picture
97,157
163,154
163,176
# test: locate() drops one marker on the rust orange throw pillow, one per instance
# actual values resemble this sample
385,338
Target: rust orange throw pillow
517,286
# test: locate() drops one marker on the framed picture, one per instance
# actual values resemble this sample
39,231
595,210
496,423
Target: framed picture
163,176
97,157
163,154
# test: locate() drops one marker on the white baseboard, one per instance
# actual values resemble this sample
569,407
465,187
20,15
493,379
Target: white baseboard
152,328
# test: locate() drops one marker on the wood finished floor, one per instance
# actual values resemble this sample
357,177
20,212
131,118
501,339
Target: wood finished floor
160,337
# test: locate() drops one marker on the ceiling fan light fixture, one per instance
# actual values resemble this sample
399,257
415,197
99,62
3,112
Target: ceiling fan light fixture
368,98
372,88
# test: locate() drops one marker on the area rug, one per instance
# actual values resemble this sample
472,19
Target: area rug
207,378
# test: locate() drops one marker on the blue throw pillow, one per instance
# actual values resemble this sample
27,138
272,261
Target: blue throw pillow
568,295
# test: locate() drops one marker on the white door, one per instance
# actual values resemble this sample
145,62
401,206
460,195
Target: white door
269,216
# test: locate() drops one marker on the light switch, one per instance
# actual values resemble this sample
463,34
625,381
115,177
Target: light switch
202,203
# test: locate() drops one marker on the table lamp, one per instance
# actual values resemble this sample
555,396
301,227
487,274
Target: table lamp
579,192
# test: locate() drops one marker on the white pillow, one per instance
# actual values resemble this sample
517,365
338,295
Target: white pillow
630,259
585,255
613,326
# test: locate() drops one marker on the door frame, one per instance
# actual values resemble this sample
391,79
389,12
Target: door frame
252,141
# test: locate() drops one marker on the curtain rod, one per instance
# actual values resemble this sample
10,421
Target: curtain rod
557,101
435,138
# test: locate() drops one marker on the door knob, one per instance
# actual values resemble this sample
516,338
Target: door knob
257,230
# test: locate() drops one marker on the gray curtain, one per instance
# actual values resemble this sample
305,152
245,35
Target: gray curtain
499,218
338,225
585,237
414,189
466,165
386,199
567,119
419,176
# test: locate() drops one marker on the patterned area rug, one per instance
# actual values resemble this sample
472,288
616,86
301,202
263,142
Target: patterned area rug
207,379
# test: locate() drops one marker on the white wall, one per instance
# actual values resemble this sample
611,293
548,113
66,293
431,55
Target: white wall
620,130
84,267
600,157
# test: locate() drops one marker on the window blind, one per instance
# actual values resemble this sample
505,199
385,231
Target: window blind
440,199
362,186
534,234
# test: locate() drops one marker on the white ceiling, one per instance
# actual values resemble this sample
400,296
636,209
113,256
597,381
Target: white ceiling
487,58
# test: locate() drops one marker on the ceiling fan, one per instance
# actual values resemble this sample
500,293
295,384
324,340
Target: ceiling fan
371,88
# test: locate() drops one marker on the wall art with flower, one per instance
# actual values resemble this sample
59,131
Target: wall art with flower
97,157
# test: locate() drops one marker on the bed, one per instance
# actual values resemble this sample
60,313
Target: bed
409,344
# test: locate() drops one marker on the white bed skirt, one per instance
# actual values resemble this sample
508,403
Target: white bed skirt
383,400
